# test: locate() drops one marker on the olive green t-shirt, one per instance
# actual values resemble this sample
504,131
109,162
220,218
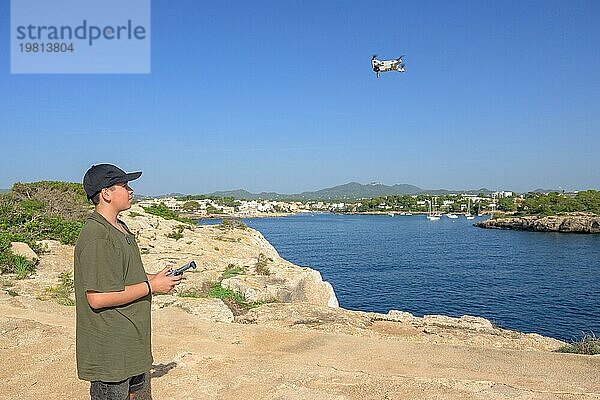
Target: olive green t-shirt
113,343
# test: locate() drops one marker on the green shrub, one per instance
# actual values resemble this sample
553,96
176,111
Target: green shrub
232,224
65,231
70,232
32,206
61,293
589,345
234,300
23,267
177,233
6,262
64,199
5,239
11,263
31,212
232,270
219,292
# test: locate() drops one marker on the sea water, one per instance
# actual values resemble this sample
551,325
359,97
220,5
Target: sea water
547,283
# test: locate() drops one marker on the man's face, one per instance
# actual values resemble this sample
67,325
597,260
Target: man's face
121,196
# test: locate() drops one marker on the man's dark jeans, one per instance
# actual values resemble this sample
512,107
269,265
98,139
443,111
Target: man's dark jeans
116,390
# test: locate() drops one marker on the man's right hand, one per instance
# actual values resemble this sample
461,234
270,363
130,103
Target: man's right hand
161,283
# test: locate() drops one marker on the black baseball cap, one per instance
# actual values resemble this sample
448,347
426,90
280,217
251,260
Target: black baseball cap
102,176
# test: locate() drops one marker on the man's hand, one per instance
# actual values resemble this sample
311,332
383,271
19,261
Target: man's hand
161,283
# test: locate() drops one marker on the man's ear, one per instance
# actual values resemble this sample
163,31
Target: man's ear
105,195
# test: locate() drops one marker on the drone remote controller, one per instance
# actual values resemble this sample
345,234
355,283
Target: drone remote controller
181,270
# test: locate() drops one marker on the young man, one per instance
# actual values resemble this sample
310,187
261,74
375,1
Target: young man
113,292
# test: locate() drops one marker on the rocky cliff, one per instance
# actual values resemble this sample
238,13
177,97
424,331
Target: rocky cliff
570,223
262,275
288,295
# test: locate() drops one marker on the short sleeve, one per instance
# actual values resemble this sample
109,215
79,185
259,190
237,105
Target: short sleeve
102,267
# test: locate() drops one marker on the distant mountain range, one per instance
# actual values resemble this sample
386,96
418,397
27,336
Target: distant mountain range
4,190
348,191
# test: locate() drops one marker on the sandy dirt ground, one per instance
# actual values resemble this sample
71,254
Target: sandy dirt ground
199,359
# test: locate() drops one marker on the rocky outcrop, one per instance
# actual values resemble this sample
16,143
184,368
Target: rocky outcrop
439,329
217,248
23,250
284,285
570,223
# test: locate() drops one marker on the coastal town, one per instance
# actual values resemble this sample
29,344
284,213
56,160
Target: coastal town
219,207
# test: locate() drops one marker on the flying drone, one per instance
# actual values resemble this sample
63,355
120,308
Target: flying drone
386,65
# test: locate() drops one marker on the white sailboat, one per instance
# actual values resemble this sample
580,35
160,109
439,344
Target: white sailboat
468,215
479,214
431,215
451,215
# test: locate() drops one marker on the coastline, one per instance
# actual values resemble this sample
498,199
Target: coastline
290,214
201,217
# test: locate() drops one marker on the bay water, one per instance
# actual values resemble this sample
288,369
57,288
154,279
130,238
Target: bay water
547,283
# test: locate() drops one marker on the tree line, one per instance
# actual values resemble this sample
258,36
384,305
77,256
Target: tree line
552,203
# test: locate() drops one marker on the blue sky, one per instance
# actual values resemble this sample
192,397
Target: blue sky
279,96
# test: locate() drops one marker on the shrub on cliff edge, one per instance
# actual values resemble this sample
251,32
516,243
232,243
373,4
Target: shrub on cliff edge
589,345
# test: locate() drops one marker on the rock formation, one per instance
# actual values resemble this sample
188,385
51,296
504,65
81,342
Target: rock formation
216,248
573,223
23,250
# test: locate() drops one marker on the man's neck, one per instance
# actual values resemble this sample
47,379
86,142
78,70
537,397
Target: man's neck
108,213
